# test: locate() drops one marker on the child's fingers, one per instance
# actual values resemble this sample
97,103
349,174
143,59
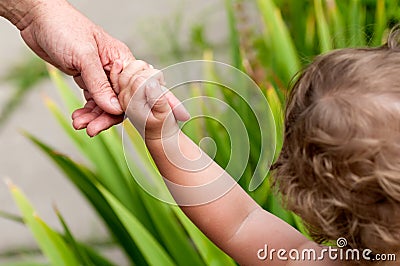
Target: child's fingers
116,69
156,99
135,66
153,74
143,77
178,109
130,73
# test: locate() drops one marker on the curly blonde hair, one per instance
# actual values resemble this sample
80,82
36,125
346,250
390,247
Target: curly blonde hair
339,168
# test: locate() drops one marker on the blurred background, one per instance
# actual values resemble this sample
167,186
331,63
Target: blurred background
108,219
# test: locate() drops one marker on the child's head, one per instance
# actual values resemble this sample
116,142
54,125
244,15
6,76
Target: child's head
340,164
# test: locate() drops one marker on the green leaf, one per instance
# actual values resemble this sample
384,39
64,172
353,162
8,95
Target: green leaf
24,264
275,207
109,173
11,217
34,71
148,245
233,35
210,253
170,232
52,245
300,226
380,23
323,29
356,20
278,113
286,59
339,28
80,253
71,101
86,182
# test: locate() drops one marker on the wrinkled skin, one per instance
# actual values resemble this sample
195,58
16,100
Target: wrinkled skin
68,40
65,38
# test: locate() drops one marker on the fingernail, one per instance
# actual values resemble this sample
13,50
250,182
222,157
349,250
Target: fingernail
115,103
153,84
151,66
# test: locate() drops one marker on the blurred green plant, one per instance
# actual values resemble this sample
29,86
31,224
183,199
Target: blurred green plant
151,232
23,77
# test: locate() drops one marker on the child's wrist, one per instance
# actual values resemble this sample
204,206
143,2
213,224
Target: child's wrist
164,143
161,135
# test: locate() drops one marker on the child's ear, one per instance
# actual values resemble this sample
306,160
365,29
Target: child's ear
116,69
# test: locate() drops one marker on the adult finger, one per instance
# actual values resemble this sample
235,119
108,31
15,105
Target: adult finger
82,121
114,74
87,95
79,81
88,107
98,85
103,122
79,112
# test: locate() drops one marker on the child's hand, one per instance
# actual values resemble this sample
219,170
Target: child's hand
146,103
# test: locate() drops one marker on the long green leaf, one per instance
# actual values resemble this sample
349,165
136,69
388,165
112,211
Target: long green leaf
356,20
85,181
285,55
323,29
71,101
52,245
339,28
24,264
210,253
233,35
380,22
108,172
80,253
148,245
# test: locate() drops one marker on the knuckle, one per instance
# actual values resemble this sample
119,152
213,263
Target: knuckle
158,103
142,63
86,50
123,80
100,88
136,81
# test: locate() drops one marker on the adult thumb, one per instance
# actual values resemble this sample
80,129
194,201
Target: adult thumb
99,87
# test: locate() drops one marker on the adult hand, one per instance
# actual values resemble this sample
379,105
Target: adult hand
65,38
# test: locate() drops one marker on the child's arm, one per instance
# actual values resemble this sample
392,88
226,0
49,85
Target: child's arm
234,221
